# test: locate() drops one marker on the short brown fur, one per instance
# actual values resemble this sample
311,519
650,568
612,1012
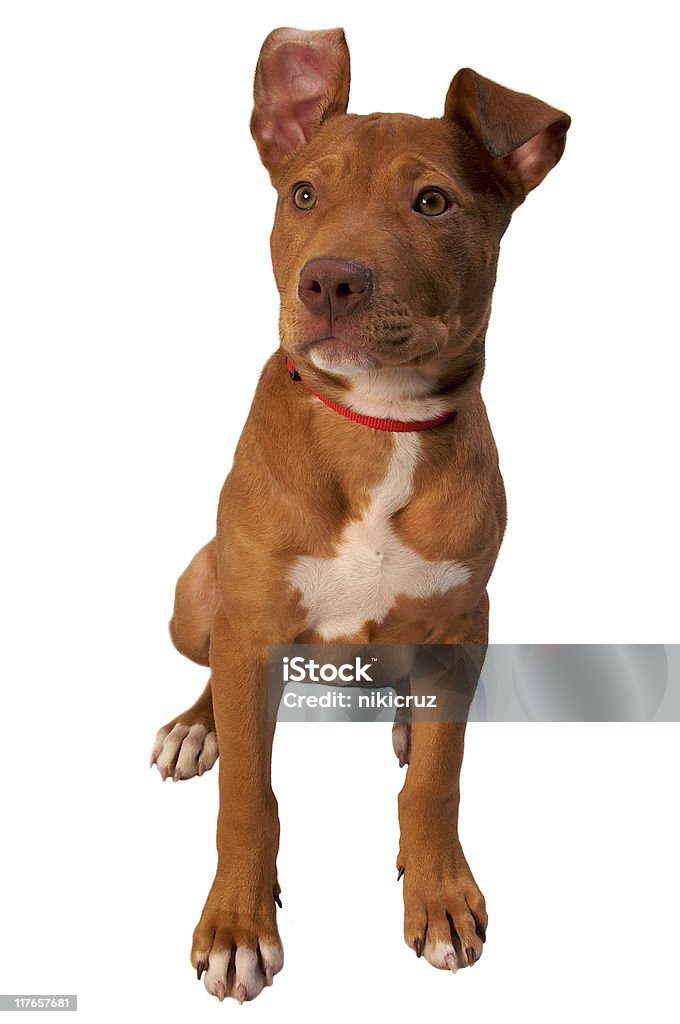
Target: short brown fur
301,472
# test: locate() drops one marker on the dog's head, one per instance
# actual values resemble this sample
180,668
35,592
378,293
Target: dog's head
388,226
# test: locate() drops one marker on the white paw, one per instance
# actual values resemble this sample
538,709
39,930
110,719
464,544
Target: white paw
442,955
184,751
401,741
239,973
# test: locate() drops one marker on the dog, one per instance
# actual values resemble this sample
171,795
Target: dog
365,503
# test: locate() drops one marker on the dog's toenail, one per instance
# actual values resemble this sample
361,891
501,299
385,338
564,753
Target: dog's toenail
451,962
400,873
200,968
419,947
471,955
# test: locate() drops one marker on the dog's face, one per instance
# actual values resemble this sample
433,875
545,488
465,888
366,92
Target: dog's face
385,205
388,226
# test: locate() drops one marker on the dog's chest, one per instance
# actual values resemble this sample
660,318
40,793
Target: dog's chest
372,566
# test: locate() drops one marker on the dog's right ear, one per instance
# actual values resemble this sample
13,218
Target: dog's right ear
301,79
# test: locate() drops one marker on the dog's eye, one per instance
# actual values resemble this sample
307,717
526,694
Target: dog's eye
431,202
304,197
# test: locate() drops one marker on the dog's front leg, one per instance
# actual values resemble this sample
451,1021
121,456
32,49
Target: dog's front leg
444,911
236,941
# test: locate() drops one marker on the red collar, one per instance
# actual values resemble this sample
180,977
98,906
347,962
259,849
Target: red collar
396,426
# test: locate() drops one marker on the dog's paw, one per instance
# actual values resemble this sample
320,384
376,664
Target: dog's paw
401,741
236,954
445,915
182,750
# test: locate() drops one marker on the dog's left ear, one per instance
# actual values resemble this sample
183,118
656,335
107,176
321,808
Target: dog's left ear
301,79
522,135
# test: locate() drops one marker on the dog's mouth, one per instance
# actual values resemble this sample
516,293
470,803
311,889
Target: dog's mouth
338,355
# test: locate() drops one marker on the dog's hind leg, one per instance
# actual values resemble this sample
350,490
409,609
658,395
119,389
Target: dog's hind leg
187,744
196,597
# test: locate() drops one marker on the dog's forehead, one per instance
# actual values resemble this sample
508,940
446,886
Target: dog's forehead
376,147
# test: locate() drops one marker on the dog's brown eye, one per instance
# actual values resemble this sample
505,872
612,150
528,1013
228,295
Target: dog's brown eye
431,202
304,197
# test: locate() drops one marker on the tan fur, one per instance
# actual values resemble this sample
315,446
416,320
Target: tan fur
196,597
303,476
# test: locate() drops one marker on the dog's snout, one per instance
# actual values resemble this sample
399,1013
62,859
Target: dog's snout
338,286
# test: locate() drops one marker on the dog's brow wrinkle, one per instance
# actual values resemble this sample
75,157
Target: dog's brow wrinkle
415,164
333,163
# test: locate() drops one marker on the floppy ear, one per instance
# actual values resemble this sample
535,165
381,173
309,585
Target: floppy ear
521,134
301,79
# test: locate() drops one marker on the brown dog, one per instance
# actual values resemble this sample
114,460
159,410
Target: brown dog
365,501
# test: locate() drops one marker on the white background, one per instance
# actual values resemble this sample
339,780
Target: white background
137,309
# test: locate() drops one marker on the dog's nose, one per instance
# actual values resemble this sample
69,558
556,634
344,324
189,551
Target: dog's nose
336,285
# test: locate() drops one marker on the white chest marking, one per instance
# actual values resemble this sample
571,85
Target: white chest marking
372,566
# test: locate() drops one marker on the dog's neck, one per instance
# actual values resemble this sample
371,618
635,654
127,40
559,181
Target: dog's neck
409,395
406,393
395,394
